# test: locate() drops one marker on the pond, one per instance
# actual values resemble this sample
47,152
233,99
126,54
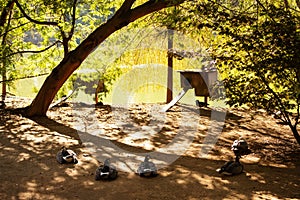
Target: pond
136,86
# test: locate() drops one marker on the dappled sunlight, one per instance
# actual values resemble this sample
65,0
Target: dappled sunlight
209,182
256,177
266,195
23,156
235,195
58,179
36,174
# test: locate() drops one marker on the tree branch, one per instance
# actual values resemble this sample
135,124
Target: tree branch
25,77
152,6
126,6
32,51
298,115
73,20
265,9
33,20
14,28
298,3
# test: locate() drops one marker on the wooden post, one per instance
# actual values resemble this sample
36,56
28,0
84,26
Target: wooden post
170,66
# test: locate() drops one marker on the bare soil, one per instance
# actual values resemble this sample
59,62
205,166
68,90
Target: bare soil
29,170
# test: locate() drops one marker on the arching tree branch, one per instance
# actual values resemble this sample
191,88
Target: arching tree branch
152,6
125,15
33,20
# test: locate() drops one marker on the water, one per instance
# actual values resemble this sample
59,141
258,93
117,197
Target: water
136,86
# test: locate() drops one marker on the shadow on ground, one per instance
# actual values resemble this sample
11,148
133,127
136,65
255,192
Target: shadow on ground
29,170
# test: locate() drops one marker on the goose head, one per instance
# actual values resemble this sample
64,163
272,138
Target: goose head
147,158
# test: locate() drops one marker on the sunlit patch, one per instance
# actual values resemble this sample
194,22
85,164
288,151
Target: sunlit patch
210,182
235,195
44,166
251,158
278,165
181,181
58,179
31,186
23,156
88,183
72,172
256,177
266,195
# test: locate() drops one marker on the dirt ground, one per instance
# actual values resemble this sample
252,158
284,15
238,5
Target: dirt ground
29,170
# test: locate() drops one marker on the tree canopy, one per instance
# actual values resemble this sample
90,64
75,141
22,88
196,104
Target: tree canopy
60,21
256,49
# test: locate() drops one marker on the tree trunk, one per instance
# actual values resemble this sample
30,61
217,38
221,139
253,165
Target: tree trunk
73,59
69,64
296,133
100,88
170,66
3,95
6,13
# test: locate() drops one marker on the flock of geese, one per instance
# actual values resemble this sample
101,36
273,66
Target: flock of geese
107,171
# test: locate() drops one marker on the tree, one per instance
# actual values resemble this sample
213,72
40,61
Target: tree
258,55
38,35
24,38
6,16
127,13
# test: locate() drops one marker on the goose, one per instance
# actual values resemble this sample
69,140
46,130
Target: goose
240,148
231,168
66,156
201,104
106,171
147,168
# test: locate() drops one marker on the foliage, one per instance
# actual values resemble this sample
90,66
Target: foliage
88,81
37,27
258,56
256,46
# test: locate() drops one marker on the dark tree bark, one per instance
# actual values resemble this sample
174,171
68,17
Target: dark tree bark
5,12
5,19
73,59
295,133
170,66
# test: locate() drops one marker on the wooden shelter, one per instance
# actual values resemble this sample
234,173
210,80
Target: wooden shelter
199,80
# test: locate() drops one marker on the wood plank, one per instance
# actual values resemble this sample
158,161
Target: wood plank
175,100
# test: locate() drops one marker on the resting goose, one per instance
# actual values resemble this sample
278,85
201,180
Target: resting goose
66,156
231,168
106,171
240,148
147,168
